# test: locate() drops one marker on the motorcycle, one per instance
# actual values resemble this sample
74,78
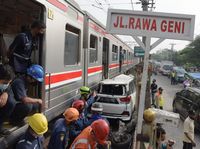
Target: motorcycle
186,84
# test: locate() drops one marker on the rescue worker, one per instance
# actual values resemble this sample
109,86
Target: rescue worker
7,101
96,111
159,98
64,131
154,87
33,137
20,50
26,105
88,98
82,121
96,133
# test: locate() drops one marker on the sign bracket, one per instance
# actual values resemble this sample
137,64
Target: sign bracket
157,43
139,42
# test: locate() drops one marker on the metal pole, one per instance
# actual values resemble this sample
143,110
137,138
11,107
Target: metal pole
143,87
140,110
144,8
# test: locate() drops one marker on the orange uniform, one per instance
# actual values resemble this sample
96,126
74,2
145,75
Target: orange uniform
85,140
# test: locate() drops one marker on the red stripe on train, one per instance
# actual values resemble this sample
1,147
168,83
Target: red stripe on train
62,77
58,4
69,75
113,65
95,69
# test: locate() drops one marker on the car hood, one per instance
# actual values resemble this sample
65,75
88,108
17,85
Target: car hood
180,75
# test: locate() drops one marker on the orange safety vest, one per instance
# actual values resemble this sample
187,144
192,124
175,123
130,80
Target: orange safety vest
84,140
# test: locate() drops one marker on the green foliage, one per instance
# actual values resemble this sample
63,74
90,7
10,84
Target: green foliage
188,57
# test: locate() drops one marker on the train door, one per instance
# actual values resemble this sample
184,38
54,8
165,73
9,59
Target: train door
120,58
17,17
105,58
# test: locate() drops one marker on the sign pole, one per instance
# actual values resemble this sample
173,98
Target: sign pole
143,86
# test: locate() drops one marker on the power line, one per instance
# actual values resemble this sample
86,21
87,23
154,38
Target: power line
108,4
132,4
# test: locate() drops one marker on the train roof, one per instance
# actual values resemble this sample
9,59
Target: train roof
75,5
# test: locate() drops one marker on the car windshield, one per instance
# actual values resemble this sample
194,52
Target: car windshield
112,89
181,71
167,67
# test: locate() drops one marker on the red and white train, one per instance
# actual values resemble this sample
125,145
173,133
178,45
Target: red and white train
75,50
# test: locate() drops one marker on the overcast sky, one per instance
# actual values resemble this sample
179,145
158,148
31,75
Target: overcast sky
192,7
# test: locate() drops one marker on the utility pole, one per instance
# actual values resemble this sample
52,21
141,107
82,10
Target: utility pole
172,46
172,50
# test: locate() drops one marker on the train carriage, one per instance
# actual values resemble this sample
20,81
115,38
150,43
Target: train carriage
75,51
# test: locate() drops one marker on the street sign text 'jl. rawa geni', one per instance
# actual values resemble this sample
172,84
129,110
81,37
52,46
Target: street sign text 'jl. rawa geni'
150,24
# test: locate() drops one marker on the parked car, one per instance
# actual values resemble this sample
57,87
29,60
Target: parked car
117,96
194,78
185,100
180,72
166,69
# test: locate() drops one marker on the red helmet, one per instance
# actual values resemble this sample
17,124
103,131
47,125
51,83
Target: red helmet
101,130
78,104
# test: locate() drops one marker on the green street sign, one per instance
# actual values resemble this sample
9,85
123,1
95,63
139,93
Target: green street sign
138,52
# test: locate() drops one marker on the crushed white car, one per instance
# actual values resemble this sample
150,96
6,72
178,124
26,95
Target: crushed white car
118,97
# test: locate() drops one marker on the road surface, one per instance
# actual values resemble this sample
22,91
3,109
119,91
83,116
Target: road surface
168,94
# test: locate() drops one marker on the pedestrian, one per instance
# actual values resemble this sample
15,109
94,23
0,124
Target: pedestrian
172,78
159,98
82,121
87,97
7,101
154,87
90,137
33,137
20,50
25,104
64,130
188,128
161,138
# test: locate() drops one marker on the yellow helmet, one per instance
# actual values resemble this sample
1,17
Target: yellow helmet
149,115
38,122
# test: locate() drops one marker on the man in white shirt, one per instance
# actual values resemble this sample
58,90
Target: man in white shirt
188,126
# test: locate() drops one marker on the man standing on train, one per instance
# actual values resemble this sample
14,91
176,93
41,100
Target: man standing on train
26,105
20,50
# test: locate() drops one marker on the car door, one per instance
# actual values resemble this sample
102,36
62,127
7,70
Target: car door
178,102
196,108
188,103
132,93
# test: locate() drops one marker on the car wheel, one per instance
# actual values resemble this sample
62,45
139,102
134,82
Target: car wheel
120,141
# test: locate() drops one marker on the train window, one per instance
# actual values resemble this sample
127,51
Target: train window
114,52
125,56
93,48
72,48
